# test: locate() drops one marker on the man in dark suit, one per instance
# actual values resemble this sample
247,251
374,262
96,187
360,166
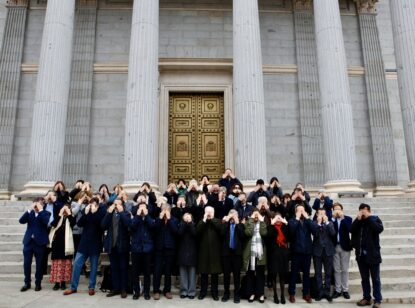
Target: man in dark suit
243,208
323,251
343,247
232,236
35,241
365,232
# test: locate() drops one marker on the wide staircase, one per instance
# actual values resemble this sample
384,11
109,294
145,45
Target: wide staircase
397,241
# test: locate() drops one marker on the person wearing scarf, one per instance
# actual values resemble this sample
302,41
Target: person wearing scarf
278,254
255,256
62,246
117,245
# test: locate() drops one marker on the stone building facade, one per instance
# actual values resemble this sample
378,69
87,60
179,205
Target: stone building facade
319,92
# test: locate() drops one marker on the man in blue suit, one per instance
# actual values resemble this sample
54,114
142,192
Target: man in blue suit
34,241
343,246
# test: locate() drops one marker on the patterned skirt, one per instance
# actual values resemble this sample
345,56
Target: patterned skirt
61,270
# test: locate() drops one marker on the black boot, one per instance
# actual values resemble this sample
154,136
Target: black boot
63,285
56,286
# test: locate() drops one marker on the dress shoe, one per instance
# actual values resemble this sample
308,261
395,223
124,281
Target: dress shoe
123,294
262,299
25,288
336,295
307,298
276,300
91,292
63,286
329,298
318,298
69,292
376,305
191,297
136,295
113,293
147,297
183,296
236,299
156,296
168,295
283,300
215,297
251,299
346,295
56,286
292,299
38,288
364,302
225,298
201,296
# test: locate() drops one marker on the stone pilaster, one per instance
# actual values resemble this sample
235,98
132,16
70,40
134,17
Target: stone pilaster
80,94
141,123
51,100
10,62
248,93
309,96
377,96
403,24
336,108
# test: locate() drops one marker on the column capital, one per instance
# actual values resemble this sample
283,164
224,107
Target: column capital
14,3
366,6
303,5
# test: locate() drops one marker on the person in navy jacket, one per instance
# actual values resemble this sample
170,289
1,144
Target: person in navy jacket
325,203
365,232
323,252
166,227
117,245
300,227
34,241
343,246
90,245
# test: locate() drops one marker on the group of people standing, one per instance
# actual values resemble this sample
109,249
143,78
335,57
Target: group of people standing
199,231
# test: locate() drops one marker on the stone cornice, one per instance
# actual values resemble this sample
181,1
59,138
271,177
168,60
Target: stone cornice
366,6
14,3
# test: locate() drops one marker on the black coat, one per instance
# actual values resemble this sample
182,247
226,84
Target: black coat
323,239
228,183
239,237
187,251
171,197
254,196
365,234
278,257
290,209
58,242
300,235
280,208
123,239
244,212
91,238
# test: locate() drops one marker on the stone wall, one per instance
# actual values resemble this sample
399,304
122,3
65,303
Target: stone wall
2,18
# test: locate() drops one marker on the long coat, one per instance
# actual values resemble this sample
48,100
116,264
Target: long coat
187,252
249,232
209,261
365,233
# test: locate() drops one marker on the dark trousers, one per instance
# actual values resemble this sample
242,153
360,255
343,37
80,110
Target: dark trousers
255,281
232,264
164,261
38,251
141,264
119,270
300,262
204,281
368,271
327,262
45,260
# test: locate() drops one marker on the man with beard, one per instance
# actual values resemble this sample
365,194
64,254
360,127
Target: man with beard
232,198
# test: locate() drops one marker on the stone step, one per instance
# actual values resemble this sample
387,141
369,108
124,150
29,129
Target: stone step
11,237
14,215
392,260
398,223
394,239
399,231
11,246
397,249
9,221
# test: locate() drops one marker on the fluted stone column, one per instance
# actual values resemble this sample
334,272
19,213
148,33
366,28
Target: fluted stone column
403,24
51,100
141,122
248,93
309,95
386,175
10,63
80,94
336,108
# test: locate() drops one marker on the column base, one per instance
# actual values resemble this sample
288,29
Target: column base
411,189
5,195
35,189
388,191
314,191
344,188
131,188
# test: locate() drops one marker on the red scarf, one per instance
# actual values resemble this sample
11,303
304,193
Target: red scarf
281,242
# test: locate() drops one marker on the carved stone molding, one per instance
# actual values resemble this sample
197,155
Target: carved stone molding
302,5
366,6
23,3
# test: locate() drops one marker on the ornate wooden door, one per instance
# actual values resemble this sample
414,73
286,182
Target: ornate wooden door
196,136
